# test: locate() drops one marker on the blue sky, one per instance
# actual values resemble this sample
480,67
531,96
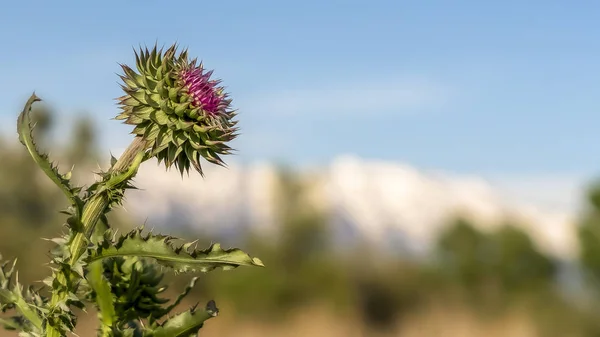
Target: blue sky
469,86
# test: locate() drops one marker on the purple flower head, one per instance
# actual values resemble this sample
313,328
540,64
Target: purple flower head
204,91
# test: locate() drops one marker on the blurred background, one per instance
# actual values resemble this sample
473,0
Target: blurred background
404,168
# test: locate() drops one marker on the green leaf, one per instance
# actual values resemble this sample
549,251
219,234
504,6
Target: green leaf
15,297
7,297
159,117
103,293
185,324
180,259
25,129
7,269
113,160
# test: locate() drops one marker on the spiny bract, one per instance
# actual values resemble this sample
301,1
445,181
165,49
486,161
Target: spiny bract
180,111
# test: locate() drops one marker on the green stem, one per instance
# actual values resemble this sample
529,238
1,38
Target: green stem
97,205
129,162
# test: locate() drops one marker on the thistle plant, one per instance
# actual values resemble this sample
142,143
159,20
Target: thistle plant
179,116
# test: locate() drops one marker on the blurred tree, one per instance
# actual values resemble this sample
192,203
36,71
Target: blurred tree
42,118
589,238
24,197
502,262
301,266
388,294
306,233
82,149
518,265
589,256
465,254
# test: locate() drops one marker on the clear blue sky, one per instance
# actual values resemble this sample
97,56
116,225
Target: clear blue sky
469,86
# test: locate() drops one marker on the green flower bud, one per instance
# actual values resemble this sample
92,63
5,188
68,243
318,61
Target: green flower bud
135,284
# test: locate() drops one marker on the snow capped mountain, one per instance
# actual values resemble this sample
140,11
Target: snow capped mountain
225,199
382,202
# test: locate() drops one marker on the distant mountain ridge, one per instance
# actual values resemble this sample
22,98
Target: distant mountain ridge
382,202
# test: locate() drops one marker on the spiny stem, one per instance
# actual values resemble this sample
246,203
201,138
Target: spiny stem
94,209
129,161
128,157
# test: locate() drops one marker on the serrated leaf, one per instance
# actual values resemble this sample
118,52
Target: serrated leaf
161,248
25,131
185,324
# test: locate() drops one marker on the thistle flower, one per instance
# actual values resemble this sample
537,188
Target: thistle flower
177,108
